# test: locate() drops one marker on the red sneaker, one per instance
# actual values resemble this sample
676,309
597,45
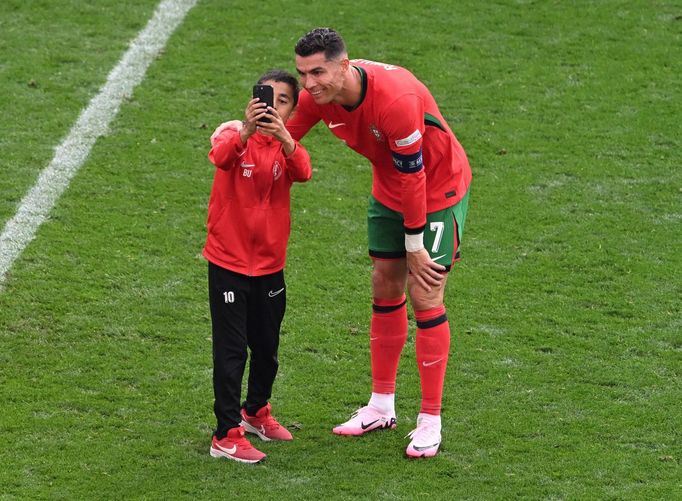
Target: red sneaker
264,425
236,446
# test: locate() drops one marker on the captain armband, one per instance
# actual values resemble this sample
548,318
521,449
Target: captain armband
408,164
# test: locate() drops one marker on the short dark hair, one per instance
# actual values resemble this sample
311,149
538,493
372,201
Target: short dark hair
325,40
281,76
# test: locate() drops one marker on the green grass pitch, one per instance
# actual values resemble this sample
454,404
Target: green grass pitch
565,375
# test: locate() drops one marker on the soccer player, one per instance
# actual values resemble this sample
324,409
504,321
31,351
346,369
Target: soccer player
248,229
416,214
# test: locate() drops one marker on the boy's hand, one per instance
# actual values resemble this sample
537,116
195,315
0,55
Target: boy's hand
276,129
254,111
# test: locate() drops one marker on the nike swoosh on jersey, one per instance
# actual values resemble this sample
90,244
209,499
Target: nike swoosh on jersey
273,294
332,125
437,257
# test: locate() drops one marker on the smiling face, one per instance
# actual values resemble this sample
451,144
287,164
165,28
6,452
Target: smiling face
323,78
284,98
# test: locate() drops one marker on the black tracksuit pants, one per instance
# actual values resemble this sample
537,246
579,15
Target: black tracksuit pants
245,312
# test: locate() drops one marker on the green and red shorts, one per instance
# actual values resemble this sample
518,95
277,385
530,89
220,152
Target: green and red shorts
442,236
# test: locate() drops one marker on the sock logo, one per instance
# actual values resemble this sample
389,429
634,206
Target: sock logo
429,364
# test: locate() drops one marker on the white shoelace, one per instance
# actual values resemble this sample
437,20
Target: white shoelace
357,412
425,434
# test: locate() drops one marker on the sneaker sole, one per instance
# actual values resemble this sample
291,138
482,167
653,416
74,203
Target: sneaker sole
429,453
215,453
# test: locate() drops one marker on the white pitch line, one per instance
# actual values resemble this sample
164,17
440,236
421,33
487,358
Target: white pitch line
92,123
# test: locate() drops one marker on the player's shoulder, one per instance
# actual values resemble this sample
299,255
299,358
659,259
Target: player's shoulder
384,74
386,79
376,65
391,89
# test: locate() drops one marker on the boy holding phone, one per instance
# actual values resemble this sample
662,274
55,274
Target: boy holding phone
249,221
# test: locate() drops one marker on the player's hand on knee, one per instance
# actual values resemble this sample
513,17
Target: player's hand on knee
425,271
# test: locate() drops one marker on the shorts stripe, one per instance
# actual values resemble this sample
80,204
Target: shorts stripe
415,231
387,255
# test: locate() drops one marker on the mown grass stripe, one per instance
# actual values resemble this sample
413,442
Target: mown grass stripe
92,123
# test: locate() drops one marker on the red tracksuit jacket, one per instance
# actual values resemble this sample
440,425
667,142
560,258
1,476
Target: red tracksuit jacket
249,210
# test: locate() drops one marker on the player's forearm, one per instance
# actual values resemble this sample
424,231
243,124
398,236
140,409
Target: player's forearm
302,120
226,148
413,187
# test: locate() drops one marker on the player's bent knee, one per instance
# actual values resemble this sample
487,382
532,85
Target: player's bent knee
389,279
421,299
387,289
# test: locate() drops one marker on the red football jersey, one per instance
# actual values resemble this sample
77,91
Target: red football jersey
396,120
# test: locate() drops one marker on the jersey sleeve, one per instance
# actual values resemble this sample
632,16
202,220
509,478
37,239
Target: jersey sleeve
404,129
227,147
305,116
299,168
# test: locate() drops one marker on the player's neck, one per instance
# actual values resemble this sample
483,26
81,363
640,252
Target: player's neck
352,88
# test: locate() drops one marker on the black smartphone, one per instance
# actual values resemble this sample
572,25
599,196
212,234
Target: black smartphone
266,94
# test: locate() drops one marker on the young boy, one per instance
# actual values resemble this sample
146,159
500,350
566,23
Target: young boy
248,229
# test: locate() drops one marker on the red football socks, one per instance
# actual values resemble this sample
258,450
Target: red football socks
388,332
433,346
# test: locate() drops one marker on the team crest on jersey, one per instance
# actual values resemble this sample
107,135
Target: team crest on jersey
377,133
276,170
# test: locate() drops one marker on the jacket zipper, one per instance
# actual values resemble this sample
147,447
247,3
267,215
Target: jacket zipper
271,153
